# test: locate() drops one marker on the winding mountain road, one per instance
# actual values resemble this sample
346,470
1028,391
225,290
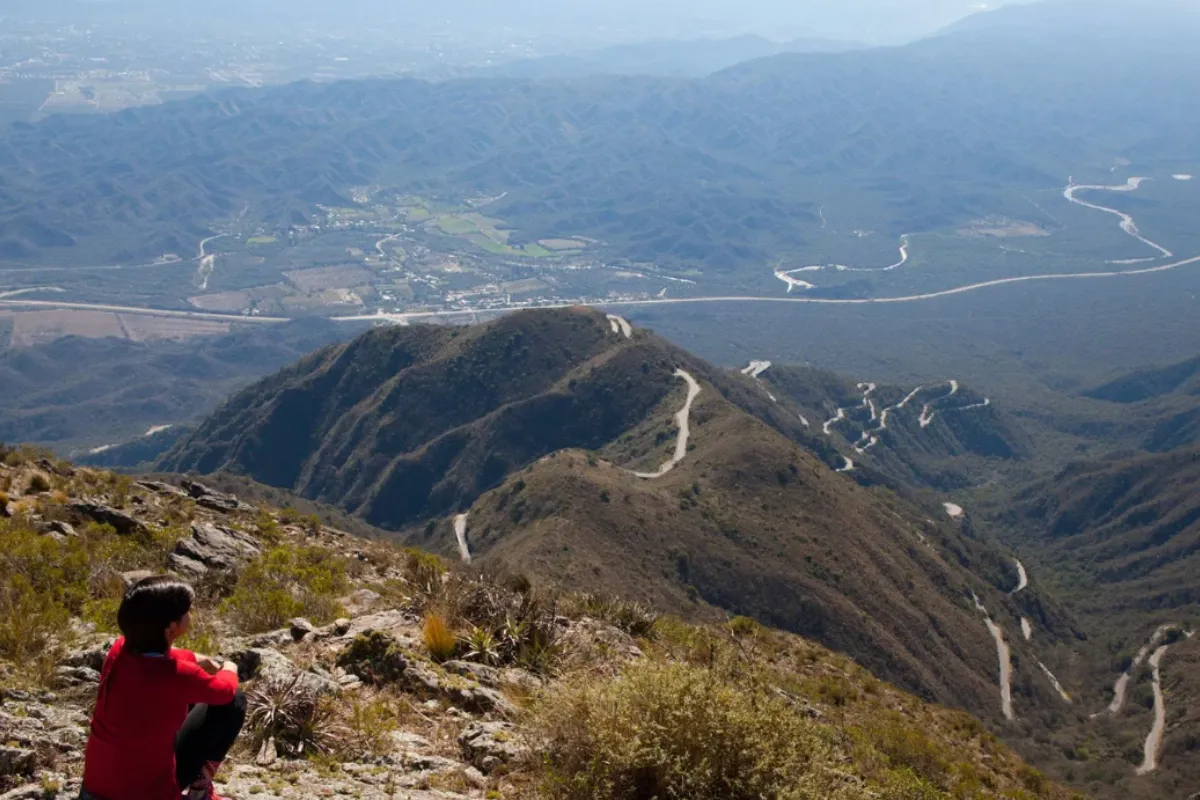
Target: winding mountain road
1127,224
682,419
620,325
1122,685
19,292
1022,578
756,368
408,316
1005,657
828,426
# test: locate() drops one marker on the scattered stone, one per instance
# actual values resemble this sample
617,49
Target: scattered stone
92,657
300,627
361,601
131,578
17,761
493,676
268,754
489,745
76,676
122,523
214,500
212,547
60,530
158,487
277,639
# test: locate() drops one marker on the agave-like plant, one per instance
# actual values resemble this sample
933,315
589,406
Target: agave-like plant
482,646
291,715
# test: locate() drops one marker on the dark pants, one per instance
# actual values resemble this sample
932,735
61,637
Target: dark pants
207,734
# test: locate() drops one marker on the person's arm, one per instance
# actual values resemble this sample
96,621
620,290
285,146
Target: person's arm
198,686
214,665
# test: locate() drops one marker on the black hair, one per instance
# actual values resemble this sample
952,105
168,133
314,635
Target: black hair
149,607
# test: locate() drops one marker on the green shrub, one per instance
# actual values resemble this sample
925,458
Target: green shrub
287,582
374,657
423,569
677,731
44,582
907,747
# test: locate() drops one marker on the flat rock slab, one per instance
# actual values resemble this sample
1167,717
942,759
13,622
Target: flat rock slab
212,548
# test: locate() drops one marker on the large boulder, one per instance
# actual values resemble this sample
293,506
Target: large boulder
122,523
212,499
211,547
271,666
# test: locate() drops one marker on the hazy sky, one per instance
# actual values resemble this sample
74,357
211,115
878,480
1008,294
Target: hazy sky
865,20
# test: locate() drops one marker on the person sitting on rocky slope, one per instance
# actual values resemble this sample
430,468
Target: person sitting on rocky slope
145,744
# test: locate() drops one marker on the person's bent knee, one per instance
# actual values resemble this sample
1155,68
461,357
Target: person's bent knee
237,707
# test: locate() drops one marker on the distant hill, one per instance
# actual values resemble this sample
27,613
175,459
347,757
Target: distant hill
665,58
534,425
1164,404
1151,383
1136,523
76,394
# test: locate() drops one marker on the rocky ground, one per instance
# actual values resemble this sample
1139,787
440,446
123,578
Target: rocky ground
376,672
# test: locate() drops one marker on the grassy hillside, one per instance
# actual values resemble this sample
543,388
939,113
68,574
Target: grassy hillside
535,424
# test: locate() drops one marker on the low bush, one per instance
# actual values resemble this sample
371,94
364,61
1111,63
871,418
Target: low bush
665,730
440,641
287,582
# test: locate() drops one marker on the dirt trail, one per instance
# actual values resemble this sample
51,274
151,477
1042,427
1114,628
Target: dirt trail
1154,741
460,533
682,419
1058,687
208,262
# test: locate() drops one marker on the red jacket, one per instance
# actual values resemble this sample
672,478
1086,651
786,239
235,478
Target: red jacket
142,703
